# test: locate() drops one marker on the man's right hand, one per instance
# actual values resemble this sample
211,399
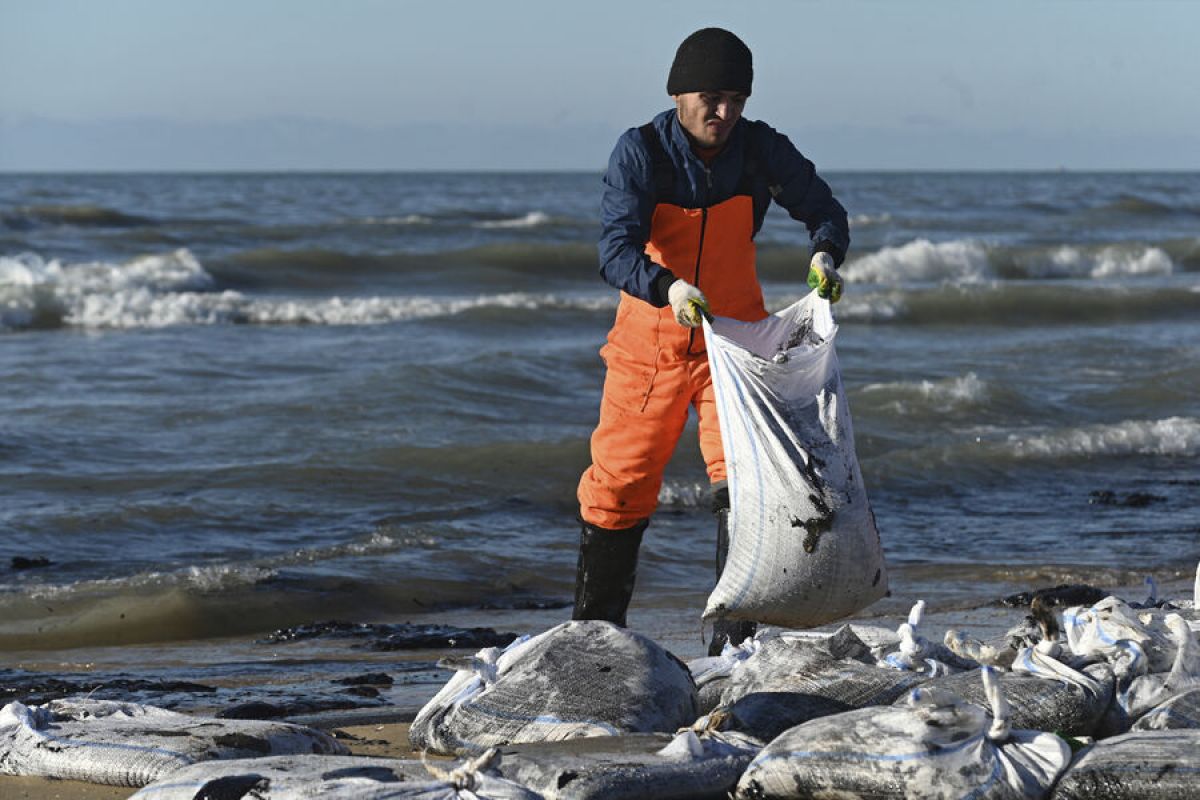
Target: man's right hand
688,303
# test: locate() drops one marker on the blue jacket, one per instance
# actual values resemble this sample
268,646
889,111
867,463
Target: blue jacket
629,197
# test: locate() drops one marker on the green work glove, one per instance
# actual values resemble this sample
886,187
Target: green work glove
688,303
824,278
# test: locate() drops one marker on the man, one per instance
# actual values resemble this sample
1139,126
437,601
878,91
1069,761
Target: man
684,196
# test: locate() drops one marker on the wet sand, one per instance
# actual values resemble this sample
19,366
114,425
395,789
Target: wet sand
380,741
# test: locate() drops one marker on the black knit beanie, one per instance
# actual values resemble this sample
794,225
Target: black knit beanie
711,60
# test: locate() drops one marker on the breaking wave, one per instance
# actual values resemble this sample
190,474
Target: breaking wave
971,261
1175,436
39,293
923,260
174,289
1111,261
946,394
1001,303
227,577
533,219
993,451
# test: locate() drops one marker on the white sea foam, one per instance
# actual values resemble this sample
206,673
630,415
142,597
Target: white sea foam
1107,262
33,289
165,290
1112,262
690,494
944,394
175,271
958,261
381,310
141,310
226,577
408,219
531,220
867,220
1175,436
377,543
211,578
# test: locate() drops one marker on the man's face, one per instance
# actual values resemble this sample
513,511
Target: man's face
709,117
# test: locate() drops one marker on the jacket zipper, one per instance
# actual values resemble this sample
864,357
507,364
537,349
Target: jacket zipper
700,250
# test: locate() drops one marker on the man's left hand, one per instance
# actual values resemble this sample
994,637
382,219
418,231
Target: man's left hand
823,277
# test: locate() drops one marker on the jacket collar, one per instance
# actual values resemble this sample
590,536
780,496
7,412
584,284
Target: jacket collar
679,141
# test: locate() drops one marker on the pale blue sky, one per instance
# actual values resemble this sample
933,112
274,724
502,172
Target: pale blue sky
367,84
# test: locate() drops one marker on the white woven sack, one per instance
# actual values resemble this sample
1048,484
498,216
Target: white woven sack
579,679
126,744
935,746
804,550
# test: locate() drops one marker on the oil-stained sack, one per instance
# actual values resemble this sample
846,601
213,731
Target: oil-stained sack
935,746
804,549
578,679
792,679
689,766
125,744
1142,765
1044,703
1181,711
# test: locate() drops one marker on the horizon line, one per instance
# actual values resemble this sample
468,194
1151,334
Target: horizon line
572,171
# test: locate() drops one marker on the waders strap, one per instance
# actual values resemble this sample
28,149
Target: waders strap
660,162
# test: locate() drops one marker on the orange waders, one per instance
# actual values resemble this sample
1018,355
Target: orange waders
657,367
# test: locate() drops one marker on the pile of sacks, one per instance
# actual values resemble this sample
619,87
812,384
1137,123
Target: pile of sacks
1101,702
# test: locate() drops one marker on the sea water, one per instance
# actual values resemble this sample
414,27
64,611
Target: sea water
233,403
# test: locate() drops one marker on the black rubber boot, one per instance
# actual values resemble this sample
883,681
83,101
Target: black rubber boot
726,630
607,568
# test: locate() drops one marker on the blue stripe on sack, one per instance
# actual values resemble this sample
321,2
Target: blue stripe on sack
1105,637
1027,663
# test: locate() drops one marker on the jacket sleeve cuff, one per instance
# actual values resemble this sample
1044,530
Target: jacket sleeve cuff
659,288
835,252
